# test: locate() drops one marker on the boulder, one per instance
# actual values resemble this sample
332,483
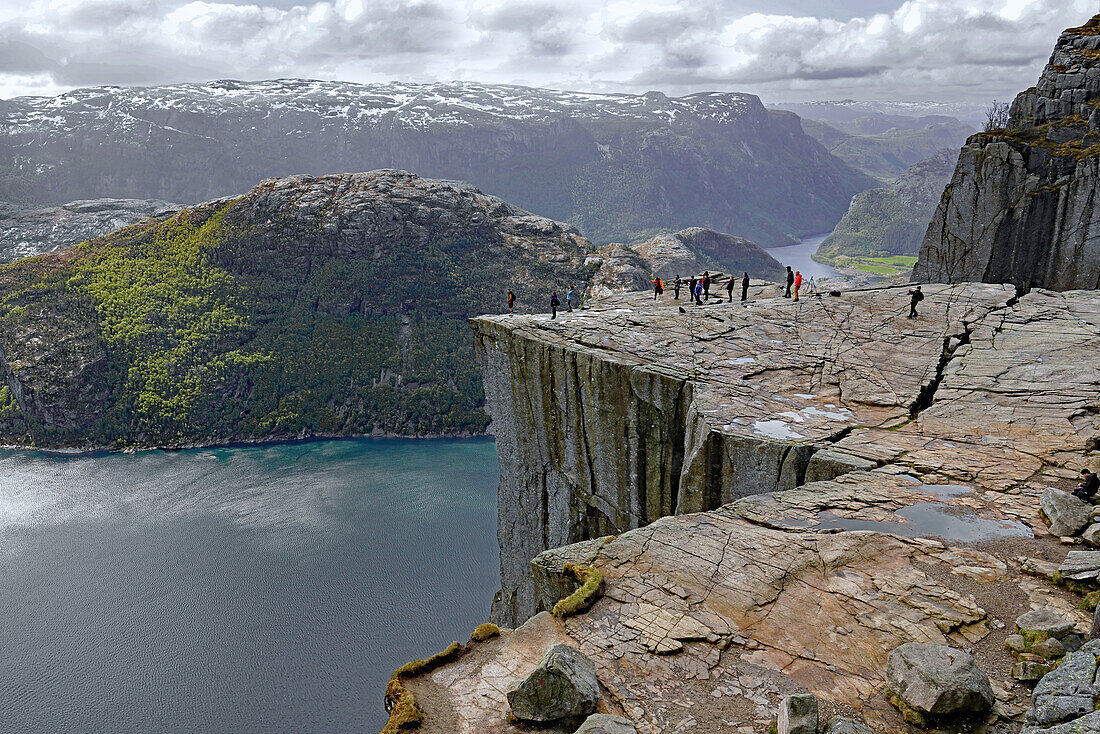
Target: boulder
1091,534
606,724
1067,514
1029,671
1095,633
1044,621
561,686
1081,566
937,680
840,725
1066,696
797,714
1015,643
1049,649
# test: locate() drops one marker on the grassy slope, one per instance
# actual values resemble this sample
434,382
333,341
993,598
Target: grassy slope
197,352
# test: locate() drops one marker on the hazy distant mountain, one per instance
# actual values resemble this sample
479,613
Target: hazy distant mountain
846,110
890,144
892,220
621,167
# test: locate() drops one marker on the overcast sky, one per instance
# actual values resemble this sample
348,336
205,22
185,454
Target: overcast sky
783,50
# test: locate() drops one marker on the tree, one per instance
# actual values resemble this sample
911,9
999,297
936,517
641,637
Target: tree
996,117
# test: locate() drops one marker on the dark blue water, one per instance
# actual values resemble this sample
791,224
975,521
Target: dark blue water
260,589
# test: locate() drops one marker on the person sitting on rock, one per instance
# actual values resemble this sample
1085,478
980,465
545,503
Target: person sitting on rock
1086,490
915,297
511,301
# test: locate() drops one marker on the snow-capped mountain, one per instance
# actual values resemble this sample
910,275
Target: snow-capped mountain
619,166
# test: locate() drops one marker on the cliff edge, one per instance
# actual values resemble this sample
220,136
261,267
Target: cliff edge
1021,205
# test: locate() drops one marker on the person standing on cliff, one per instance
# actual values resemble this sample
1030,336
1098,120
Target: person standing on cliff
554,303
744,286
511,301
729,290
658,287
790,282
706,284
676,288
797,283
915,297
697,291
569,295
691,287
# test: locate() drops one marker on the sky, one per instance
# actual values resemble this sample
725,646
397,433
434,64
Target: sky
782,50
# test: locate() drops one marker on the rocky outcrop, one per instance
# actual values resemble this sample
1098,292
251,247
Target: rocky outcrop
937,681
618,166
1020,207
942,433
26,231
1065,699
629,411
685,253
309,306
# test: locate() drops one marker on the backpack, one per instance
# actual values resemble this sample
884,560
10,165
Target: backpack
554,301
918,296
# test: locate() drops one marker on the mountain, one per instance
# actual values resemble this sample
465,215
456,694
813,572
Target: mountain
28,231
309,306
891,220
621,167
843,111
887,153
687,252
1022,203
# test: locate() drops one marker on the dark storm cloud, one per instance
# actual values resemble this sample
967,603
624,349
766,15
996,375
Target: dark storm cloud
823,48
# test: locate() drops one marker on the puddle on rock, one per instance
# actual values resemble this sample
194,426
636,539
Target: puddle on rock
944,490
932,519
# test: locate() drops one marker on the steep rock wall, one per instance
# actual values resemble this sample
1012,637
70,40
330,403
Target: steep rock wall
1021,206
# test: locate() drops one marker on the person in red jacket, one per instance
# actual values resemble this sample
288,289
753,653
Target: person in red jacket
797,283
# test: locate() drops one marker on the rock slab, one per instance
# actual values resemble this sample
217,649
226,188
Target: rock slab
798,714
563,685
938,680
606,724
1044,620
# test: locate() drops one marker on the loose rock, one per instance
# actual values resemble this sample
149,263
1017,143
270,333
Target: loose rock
1067,514
1081,566
1029,671
563,685
1044,621
606,724
1050,649
1091,535
937,680
1066,695
798,714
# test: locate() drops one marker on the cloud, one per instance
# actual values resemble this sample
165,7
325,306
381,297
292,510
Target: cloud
918,49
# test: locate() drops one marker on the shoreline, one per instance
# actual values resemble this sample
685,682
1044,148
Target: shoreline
241,443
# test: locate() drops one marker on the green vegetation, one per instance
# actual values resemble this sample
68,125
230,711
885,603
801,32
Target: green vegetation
591,582
213,331
485,632
405,714
892,265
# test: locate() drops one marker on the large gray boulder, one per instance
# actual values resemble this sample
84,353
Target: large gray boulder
840,725
606,724
1046,621
1064,701
798,714
937,680
1067,514
563,685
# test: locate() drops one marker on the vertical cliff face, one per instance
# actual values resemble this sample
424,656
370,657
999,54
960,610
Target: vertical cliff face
1021,206
613,417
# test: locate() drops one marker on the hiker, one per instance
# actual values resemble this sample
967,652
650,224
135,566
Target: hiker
554,303
729,289
744,287
915,297
511,301
797,283
706,284
676,288
691,287
569,294
698,292
658,287
790,282
1087,489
